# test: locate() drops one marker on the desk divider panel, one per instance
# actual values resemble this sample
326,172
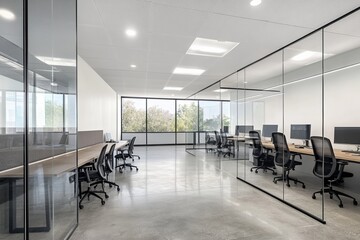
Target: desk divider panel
88,138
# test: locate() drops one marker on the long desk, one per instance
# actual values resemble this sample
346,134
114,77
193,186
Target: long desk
62,163
48,168
349,157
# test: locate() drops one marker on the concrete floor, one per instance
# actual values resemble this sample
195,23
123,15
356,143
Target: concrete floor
175,195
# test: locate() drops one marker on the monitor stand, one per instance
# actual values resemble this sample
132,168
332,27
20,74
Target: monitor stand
306,143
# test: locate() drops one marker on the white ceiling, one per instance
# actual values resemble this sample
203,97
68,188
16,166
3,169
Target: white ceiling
166,29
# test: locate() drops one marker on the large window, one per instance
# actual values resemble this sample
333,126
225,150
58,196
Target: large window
187,115
168,121
160,115
133,115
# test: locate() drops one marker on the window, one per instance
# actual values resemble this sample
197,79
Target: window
160,115
187,115
209,115
133,115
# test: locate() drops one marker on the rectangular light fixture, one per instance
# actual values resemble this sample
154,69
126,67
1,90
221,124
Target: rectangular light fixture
210,47
304,55
173,88
188,71
53,61
220,90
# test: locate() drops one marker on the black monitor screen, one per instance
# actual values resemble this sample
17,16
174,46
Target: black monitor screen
268,130
243,129
300,131
347,135
226,129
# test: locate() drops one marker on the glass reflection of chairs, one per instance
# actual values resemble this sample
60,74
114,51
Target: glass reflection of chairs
329,168
210,142
124,154
285,159
92,174
226,145
262,159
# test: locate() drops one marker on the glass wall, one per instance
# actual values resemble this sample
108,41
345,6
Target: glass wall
294,125
38,125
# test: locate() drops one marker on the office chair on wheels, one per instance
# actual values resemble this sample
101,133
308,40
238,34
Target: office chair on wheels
328,167
285,159
226,145
266,161
124,154
92,174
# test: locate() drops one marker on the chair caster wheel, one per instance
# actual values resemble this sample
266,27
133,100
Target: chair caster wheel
295,182
110,186
130,169
341,205
102,202
256,171
118,189
275,182
81,206
274,173
288,185
251,170
303,186
355,203
106,196
137,169
313,197
331,196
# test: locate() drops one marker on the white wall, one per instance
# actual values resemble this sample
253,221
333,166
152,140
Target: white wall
96,101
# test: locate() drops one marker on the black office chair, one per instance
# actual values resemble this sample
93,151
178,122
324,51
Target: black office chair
333,170
226,145
210,140
285,159
124,154
92,174
266,161
109,168
218,143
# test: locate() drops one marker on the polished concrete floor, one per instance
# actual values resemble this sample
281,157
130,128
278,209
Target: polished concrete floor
175,195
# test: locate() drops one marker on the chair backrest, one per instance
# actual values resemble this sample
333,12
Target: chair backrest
218,139
100,164
110,159
224,140
257,146
282,153
323,151
131,146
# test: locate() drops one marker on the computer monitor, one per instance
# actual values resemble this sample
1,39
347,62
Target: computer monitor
243,129
226,129
268,129
347,135
301,132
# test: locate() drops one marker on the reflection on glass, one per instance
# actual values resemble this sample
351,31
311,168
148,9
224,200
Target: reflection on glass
209,115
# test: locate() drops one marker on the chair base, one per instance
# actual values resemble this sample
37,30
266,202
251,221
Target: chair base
264,168
287,178
89,193
124,165
337,194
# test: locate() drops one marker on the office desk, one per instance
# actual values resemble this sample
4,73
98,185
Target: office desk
48,168
349,157
239,139
62,163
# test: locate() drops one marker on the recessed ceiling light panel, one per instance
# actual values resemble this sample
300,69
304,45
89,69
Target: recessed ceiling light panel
220,90
188,71
173,88
210,47
131,32
133,66
6,14
255,3
54,61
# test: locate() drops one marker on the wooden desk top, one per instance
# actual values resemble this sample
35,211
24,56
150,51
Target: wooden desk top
349,157
62,163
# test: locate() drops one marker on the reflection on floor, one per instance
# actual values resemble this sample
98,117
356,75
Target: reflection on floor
175,195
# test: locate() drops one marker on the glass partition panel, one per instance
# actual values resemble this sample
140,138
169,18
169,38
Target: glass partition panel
12,122
187,116
341,120
264,115
303,119
52,118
